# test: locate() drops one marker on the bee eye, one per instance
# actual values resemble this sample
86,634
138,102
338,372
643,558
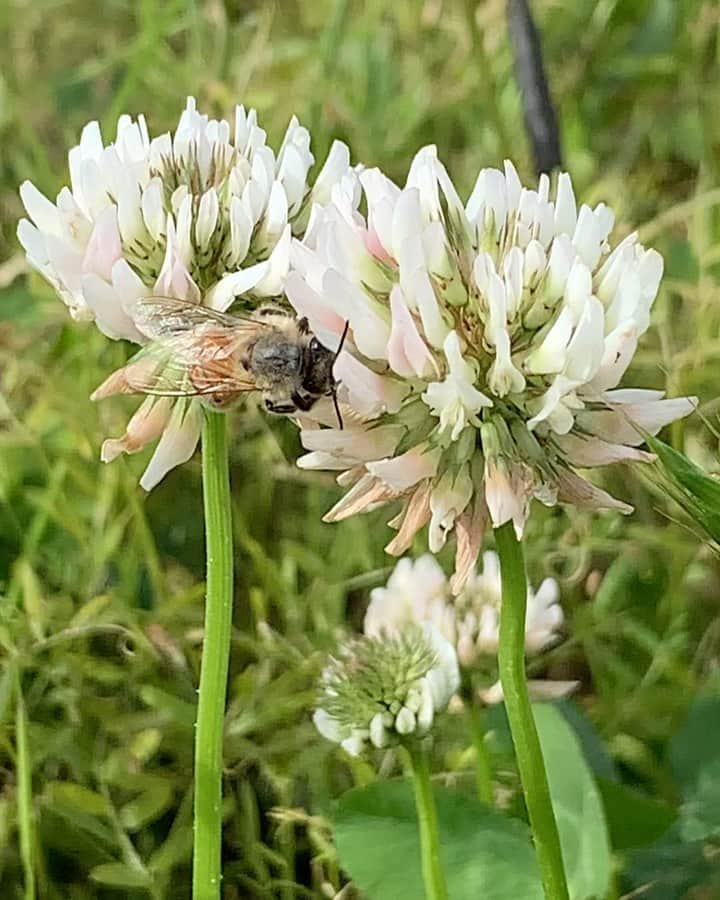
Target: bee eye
303,401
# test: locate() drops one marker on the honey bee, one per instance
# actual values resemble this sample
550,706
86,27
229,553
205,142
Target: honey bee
199,352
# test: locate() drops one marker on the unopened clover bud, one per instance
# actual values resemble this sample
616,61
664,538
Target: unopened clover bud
385,689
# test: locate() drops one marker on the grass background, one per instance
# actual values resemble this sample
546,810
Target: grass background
101,587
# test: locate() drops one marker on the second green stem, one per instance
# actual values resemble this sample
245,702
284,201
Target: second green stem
511,659
432,871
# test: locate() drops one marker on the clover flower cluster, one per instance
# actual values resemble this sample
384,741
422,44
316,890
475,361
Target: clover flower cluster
205,215
486,342
418,592
384,689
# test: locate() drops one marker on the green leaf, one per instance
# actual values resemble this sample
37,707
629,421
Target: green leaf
669,869
147,806
695,759
68,796
591,743
119,875
577,804
633,819
484,853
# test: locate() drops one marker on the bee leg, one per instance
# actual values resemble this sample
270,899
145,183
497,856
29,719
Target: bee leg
303,325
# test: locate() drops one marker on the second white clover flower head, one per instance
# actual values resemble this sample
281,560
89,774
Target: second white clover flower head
386,688
486,343
205,215
418,591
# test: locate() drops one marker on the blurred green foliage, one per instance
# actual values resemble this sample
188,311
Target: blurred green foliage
101,587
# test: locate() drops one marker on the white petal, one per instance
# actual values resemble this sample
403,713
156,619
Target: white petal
234,285
177,443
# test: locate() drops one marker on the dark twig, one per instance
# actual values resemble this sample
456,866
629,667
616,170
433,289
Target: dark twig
540,117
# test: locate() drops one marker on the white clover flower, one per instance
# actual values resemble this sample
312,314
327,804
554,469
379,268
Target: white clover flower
205,215
485,346
383,689
418,593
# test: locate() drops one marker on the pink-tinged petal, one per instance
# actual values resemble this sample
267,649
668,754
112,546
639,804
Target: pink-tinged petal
368,320
469,532
325,321
368,393
177,444
174,279
539,689
587,452
104,248
574,489
360,444
146,425
625,423
415,515
382,195
507,494
404,471
323,461
107,307
122,381
407,353
449,498
544,689
366,493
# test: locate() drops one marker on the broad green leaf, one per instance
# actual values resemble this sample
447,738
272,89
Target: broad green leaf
484,853
578,807
592,746
633,819
116,874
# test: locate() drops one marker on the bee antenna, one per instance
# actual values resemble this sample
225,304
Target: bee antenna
342,339
337,409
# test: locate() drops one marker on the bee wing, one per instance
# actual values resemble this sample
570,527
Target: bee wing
157,317
186,363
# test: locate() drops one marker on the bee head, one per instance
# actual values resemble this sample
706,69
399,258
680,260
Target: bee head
317,374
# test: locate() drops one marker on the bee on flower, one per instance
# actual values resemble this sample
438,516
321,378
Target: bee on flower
485,347
204,216
418,592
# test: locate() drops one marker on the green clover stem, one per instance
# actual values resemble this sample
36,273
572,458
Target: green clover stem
511,658
207,864
433,877
483,768
25,813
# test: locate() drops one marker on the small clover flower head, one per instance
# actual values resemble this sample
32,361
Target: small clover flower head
383,689
204,215
485,348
